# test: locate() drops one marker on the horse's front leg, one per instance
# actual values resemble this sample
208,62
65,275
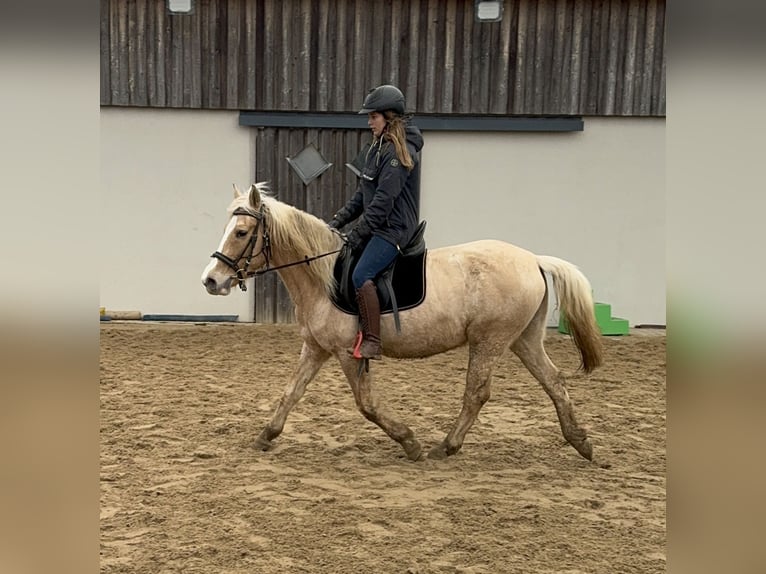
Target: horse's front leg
370,407
311,360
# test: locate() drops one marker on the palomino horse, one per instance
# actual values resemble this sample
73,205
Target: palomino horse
488,294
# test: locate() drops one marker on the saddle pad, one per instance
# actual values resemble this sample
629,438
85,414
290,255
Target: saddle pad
408,280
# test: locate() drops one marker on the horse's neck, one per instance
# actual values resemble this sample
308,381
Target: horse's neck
306,290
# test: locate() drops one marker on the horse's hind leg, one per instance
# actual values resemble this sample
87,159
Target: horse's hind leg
482,359
529,348
311,360
370,407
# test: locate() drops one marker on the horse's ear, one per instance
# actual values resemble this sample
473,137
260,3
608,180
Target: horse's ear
237,193
255,197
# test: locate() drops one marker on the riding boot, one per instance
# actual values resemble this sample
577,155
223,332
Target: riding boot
369,313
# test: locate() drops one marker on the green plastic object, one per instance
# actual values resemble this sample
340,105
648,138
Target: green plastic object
607,324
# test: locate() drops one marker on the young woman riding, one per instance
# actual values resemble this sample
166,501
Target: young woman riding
386,205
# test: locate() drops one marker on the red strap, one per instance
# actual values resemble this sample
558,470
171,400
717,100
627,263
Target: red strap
358,343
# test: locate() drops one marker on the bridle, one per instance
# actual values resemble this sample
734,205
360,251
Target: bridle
247,252
242,273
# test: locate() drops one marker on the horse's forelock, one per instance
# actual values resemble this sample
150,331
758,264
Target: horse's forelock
242,201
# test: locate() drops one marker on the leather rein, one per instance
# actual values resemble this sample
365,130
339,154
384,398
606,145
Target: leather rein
241,273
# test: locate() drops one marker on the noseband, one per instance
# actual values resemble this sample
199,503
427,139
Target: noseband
247,252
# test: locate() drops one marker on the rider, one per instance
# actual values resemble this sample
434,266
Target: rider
386,203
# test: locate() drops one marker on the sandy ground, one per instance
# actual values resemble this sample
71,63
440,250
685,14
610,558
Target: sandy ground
183,489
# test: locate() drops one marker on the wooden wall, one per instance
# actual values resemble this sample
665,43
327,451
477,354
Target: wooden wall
322,197
546,57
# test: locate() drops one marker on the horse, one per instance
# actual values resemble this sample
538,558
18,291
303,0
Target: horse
488,294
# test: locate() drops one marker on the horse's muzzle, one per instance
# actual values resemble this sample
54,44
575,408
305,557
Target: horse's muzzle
214,288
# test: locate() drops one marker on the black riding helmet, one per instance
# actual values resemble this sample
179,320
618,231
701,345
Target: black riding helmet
384,98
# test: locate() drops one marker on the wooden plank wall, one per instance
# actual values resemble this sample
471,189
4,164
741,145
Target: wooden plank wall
546,57
322,197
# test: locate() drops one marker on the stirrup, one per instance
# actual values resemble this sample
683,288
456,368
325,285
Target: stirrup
375,355
356,350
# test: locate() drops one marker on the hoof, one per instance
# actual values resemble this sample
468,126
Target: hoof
412,449
438,452
584,448
578,438
264,444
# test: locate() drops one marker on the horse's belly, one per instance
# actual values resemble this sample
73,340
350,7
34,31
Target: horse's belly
420,339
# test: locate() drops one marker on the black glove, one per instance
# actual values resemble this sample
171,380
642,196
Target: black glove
335,223
355,241
340,219
357,237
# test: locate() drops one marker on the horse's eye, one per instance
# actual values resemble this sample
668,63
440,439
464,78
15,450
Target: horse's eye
241,233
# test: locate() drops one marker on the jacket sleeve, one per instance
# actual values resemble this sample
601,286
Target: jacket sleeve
351,210
393,176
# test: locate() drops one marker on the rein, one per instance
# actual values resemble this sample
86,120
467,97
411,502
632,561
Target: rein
307,260
241,272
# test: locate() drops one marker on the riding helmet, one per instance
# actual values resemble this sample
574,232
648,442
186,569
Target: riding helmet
384,98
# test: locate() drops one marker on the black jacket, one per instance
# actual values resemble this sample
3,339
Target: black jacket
388,195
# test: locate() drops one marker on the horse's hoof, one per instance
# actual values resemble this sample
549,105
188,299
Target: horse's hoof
438,452
264,444
584,448
412,449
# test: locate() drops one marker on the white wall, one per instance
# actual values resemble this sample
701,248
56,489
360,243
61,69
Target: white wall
595,198
166,178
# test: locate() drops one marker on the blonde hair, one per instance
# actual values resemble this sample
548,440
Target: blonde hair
395,134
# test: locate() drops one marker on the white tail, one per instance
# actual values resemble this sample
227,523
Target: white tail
576,306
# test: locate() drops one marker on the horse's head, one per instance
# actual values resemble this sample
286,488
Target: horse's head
244,246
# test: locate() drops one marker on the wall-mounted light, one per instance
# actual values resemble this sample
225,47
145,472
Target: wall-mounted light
180,6
488,10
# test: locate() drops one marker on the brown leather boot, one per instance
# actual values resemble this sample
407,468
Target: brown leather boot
369,313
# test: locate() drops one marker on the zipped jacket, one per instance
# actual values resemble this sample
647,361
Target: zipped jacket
388,195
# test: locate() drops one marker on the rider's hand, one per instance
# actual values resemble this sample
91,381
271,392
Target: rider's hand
355,241
335,223
357,237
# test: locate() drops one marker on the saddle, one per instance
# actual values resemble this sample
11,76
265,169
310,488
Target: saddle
401,285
